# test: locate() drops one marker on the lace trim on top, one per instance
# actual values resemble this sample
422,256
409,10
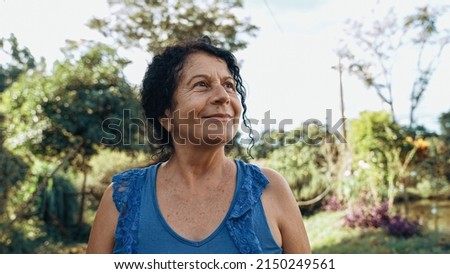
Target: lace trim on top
127,184
241,222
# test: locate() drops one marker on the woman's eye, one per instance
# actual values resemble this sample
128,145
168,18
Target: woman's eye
200,84
229,85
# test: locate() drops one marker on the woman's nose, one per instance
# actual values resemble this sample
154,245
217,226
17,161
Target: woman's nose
221,95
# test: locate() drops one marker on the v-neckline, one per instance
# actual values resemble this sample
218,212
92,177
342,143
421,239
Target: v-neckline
215,232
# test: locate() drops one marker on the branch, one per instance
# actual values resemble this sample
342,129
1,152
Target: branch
315,199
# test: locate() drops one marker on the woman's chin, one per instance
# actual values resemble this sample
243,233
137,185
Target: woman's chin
218,140
206,138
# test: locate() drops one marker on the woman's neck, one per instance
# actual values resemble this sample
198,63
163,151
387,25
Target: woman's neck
196,166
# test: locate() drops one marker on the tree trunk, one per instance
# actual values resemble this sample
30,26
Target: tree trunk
83,194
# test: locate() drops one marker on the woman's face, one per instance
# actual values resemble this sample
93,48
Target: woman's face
205,107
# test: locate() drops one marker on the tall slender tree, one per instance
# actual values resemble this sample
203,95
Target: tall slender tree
380,41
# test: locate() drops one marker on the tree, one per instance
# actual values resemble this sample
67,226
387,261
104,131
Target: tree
381,155
67,116
154,24
373,60
428,37
12,168
53,115
21,61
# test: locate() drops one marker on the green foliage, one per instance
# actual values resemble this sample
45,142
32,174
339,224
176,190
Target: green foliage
378,152
12,171
443,150
304,166
58,204
34,216
154,25
107,163
373,131
52,115
235,150
21,61
444,121
23,237
55,122
425,189
431,174
269,141
34,236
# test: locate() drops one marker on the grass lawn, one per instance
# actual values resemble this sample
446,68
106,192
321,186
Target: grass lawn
328,235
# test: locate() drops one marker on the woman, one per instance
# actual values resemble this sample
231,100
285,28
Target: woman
195,199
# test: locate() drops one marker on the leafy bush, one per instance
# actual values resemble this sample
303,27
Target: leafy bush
12,169
332,203
379,150
376,215
58,206
303,165
366,214
401,227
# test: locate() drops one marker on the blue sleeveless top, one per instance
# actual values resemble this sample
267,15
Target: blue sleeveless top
141,228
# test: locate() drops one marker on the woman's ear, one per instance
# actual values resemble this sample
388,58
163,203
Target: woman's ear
165,120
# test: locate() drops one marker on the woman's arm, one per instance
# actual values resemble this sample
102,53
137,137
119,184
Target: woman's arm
101,238
284,214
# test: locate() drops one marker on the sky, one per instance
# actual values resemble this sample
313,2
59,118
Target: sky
287,67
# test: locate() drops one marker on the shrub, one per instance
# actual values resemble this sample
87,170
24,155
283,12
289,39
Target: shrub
332,203
363,215
376,215
401,227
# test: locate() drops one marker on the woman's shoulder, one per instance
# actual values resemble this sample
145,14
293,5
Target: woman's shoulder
259,179
278,185
126,182
261,173
274,184
273,176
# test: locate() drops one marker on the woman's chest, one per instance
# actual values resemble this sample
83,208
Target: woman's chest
194,215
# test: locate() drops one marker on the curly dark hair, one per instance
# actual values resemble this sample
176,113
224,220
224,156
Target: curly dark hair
161,80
